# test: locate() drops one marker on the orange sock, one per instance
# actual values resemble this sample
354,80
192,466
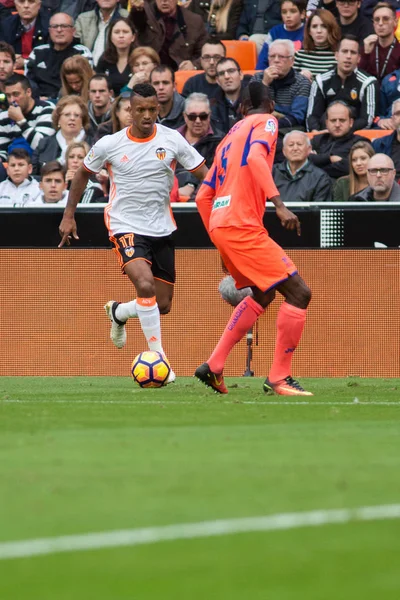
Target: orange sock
290,325
242,319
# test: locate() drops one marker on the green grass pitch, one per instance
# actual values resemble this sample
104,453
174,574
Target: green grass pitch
80,455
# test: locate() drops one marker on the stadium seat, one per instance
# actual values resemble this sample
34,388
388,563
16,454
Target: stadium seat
245,52
373,134
182,76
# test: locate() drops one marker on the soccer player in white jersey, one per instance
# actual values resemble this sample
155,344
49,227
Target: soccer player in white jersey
140,161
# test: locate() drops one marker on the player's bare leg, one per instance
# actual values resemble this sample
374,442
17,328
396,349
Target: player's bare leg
290,324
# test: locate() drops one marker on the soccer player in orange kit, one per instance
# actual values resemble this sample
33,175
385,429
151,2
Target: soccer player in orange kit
231,202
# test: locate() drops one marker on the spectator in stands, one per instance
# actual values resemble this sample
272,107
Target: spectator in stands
75,76
293,14
71,122
206,83
92,26
121,117
381,53
349,17
25,117
321,39
298,179
115,61
141,61
26,29
171,103
223,19
74,156
99,107
44,64
356,88
73,7
289,89
331,149
381,178
19,187
52,184
175,33
200,134
356,180
390,144
390,92
225,105
7,65
256,20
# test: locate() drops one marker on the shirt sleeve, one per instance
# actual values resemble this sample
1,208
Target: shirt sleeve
189,158
265,132
96,157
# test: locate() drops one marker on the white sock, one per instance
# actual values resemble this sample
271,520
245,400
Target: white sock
149,317
125,310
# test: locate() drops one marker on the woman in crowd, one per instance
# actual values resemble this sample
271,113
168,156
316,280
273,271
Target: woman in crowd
115,60
75,76
121,116
356,181
74,156
321,37
71,123
142,61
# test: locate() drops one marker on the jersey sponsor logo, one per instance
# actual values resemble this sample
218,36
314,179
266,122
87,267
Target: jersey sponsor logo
221,202
90,156
270,126
354,94
161,153
130,251
124,159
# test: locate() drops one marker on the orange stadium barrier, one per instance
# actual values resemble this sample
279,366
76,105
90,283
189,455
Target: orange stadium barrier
370,134
244,51
181,78
61,329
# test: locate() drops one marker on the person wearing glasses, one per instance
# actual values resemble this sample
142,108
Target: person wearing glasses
170,112
381,179
206,83
26,29
350,18
381,53
201,135
346,82
44,63
226,103
390,144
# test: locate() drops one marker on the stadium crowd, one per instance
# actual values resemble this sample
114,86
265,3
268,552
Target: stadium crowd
332,68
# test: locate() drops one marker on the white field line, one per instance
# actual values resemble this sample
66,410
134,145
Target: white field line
165,403
188,531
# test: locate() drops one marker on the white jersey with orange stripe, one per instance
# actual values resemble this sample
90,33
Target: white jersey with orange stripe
141,177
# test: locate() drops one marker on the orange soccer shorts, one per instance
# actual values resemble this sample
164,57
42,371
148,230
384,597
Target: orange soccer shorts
252,257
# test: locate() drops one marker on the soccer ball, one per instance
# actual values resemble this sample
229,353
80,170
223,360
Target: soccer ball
150,369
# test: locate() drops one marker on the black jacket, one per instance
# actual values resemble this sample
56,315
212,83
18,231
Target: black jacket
310,184
326,146
11,30
224,113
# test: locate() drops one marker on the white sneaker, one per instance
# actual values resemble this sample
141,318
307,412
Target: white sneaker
171,377
118,332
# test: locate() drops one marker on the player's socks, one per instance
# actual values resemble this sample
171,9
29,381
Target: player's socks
290,325
126,310
149,316
242,319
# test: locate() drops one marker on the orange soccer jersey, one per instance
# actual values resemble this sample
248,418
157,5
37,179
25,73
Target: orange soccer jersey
240,176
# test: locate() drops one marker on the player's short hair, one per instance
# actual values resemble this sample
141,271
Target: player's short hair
162,69
196,97
294,132
7,49
300,4
53,166
384,5
288,43
349,38
21,154
341,103
100,77
256,95
16,78
144,90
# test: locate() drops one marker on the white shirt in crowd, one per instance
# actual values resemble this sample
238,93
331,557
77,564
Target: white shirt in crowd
19,195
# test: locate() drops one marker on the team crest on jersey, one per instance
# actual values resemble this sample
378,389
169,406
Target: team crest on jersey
270,126
354,94
161,153
129,251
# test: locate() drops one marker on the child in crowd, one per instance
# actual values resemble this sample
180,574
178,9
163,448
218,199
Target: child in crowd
19,188
53,186
293,13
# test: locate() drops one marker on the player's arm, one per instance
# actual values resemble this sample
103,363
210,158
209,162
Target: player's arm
68,224
257,161
201,172
205,196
